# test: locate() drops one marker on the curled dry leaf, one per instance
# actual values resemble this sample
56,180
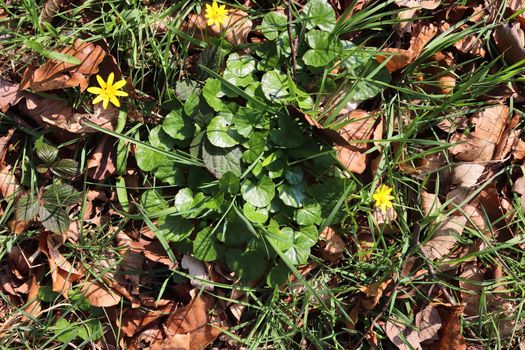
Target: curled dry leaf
194,319
153,251
373,293
510,40
471,288
404,337
467,174
479,146
33,306
55,74
10,94
8,183
425,4
101,163
399,58
237,27
137,319
450,337
430,204
361,127
332,245
196,268
100,296
444,240
428,322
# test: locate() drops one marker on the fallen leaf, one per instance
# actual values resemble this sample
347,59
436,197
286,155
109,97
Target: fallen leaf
400,58
8,183
519,186
131,264
425,4
196,268
33,306
373,292
404,337
332,245
428,322
10,94
194,319
444,239
55,74
510,40
100,296
174,342
101,163
479,146
430,204
153,251
137,319
360,127
450,337
471,289
467,174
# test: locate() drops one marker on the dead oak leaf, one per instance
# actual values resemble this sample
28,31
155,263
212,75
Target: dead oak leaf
510,40
480,145
55,74
153,251
195,320
444,239
100,296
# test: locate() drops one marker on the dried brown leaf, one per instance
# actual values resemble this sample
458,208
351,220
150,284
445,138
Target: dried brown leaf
480,145
153,251
100,296
33,306
373,293
510,40
428,322
430,203
196,268
54,74
470,283
238,26
8,183
194,319
10,94
450,337
332,245
135,320
404,337
519,186
443,241
101,163
467,174
425,4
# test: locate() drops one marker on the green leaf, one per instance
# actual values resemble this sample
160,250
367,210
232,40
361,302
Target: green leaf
221,160
319,13
272,24
229,183
148,159
240,66
191,105
309,214
64,331
258,194
46,294
26,207
45,152
370,85
325,48
292,195
65,168
288,134
60,194
185,88
90,329
300,251
205,245
248,265
294,175
184,200
275,86
170,173
255,215
328,193
278,275
282,238
174,228
178,126
220,132
152,201
212,94
255,147
54,218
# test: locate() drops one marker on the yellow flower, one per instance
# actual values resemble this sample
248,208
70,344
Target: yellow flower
108,92
216,14
383,198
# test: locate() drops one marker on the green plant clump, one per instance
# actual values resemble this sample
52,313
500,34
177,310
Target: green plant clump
267,183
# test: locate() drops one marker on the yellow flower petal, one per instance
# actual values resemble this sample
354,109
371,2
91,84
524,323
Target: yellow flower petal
101,82
98,99
106,103
208,8
94,90
121,93
110,80
115,101
119,84
214,5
